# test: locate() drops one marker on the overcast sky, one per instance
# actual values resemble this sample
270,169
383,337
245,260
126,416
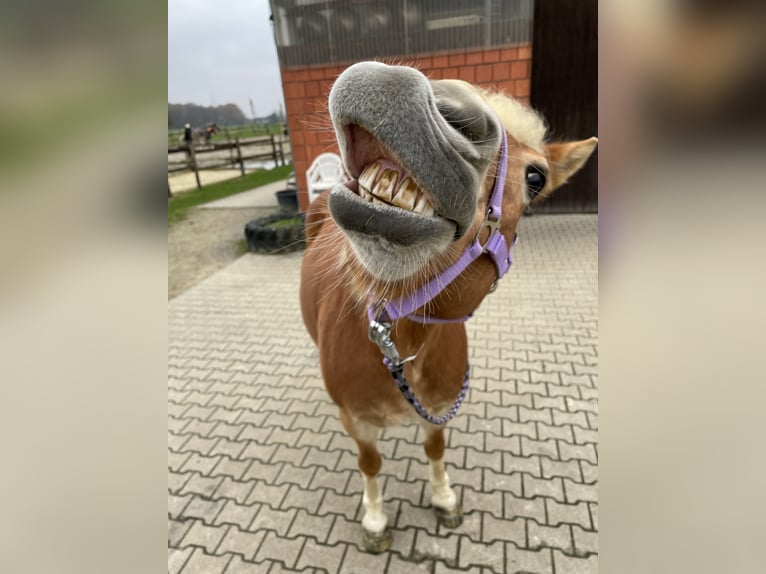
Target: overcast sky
222,52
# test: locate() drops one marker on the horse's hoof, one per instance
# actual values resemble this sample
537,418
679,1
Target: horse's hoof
376,542
449,518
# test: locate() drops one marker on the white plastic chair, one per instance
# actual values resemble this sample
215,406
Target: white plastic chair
325,172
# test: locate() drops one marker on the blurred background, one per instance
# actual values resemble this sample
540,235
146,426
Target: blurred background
84,254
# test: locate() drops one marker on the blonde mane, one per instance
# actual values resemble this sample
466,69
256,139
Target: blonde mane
522,123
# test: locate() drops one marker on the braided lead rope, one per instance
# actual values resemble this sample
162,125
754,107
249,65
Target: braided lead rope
397,372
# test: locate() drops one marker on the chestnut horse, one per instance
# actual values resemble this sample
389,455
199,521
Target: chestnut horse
400,256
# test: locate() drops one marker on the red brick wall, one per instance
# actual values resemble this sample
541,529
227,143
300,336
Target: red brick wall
306,91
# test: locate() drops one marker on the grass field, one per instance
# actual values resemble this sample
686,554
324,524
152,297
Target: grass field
180,204
231,132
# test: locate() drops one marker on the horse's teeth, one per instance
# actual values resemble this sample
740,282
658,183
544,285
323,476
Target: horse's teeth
406,195
423,206
378,184
364,193
386,184
369,175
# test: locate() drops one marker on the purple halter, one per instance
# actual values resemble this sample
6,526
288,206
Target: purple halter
494,246
383,314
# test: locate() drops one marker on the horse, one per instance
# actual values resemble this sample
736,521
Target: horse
400,255
202,136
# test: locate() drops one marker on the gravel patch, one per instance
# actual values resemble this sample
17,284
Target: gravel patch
206,241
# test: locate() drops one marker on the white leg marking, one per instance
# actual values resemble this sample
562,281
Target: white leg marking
441,494
374,519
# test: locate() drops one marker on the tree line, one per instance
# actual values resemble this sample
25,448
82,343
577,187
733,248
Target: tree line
198,116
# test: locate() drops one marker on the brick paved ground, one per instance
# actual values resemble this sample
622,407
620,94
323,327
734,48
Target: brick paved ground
263,479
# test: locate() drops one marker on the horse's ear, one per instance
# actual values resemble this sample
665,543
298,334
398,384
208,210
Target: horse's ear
566,158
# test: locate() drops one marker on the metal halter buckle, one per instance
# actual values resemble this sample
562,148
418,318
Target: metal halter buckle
492,224
380,334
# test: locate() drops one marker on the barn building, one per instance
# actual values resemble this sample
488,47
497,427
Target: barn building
543,53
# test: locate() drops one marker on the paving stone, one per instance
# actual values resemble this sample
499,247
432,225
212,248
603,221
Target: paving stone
531,447
585,541
228,431
558,468
262,471
358,562
576,451
202,485
310,525
589,472
568,513
177,558
258,451
177,529
528,429
240,514
441,568
577,419
572,565
240,566
501,529
320,556
507,482
272,495
176,504
397,565
230,468
229,448
235,490
202,535
199,463
466,476
176,443
497,445
272,519
483,501
576,492
201,563
563,432
549,487
437,547
203,509
237,541
340,504
403,540
346,532
417,517
290,455
309,500
476,459
481,554
520,561
300,476
550,536
281,549
593,507
524,507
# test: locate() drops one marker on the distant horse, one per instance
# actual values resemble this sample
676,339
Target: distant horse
202,136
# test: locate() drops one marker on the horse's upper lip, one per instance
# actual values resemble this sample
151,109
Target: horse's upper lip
390,112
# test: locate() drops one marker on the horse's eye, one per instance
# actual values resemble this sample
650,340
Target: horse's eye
535,180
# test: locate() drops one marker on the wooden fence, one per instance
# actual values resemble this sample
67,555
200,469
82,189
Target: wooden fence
198,157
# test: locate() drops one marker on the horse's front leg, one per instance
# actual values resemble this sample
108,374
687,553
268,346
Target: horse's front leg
443,498
376,536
